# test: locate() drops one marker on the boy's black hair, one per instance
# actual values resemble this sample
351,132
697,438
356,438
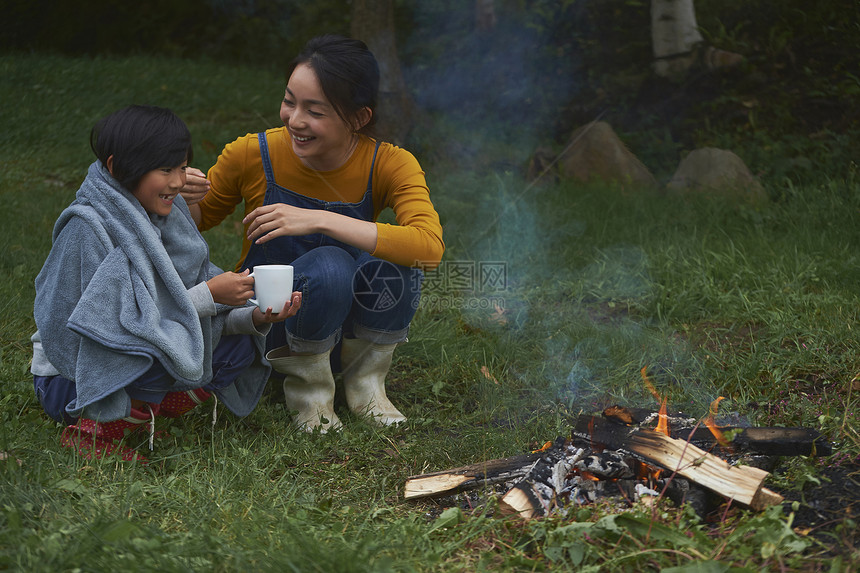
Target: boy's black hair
347,71
140,138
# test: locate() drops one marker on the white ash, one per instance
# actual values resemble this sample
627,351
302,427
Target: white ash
681,420
545,495
561,469
585,491
642,489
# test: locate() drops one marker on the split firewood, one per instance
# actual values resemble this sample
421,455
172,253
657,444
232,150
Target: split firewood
468,477
742,484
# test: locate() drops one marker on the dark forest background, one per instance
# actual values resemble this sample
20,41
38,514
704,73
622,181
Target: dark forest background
545,68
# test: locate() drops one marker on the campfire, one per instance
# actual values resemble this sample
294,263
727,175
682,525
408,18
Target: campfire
631,453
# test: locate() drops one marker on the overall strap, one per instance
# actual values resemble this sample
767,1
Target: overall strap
264,154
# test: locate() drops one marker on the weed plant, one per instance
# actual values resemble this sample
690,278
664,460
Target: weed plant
589,285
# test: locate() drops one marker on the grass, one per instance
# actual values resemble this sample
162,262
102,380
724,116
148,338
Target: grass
758,305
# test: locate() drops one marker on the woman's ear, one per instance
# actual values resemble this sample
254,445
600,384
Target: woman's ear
110,164
362,118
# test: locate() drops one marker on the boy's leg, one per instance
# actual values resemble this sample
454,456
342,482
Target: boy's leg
54,394
93,439
230,358
98,438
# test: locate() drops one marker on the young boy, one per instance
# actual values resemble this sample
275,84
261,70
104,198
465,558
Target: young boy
133,319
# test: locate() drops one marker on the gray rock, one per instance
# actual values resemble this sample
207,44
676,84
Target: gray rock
712,170
596,153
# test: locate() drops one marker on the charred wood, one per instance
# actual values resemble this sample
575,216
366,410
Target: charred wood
681,491
535,493
605,465
611,433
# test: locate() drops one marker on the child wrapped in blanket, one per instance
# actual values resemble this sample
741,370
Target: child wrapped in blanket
133,319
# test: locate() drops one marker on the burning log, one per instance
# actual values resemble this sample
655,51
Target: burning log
781,441
611,432
613,453
537,492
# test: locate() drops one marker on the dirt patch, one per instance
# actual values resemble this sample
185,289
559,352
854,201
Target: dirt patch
829,511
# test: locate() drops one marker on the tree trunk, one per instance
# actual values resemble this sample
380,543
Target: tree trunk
373,23
485,15
674,34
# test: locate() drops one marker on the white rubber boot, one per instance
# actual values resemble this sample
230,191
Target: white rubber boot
308,388
365,365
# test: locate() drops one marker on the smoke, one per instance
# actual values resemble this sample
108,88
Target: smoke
507,82
498,95
609,336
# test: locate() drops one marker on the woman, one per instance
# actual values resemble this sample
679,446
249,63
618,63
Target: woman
312,192
133,320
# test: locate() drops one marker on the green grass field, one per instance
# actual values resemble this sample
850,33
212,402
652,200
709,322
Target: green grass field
757,305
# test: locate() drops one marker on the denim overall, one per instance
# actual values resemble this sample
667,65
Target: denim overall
343,287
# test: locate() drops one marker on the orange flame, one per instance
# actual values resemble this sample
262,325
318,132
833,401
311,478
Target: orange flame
663,424
588,475
486,372
647,472
543,448
648,383
715,405
712,425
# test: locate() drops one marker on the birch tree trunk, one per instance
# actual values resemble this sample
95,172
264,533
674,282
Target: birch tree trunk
674,34
373,23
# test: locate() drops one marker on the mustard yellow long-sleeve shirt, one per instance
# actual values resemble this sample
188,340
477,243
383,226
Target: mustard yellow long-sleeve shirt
398,182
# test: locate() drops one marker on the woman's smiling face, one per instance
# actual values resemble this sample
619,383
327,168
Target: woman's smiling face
320,137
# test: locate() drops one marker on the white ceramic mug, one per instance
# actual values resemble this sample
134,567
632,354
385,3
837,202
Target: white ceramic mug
273,286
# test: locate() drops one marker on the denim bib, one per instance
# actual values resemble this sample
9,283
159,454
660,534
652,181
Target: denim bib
284,250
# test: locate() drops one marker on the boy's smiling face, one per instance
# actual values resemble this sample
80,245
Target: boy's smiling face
158,188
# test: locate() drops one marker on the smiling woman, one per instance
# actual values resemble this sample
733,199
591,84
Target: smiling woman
321,135
313,191
133,319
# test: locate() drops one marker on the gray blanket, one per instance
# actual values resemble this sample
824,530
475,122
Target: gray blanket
113,297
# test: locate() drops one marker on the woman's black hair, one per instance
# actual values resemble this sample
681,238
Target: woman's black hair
348,74
140,138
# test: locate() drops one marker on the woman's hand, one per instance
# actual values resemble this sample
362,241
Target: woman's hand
290,309
277,220
231,288
196,186
270,221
